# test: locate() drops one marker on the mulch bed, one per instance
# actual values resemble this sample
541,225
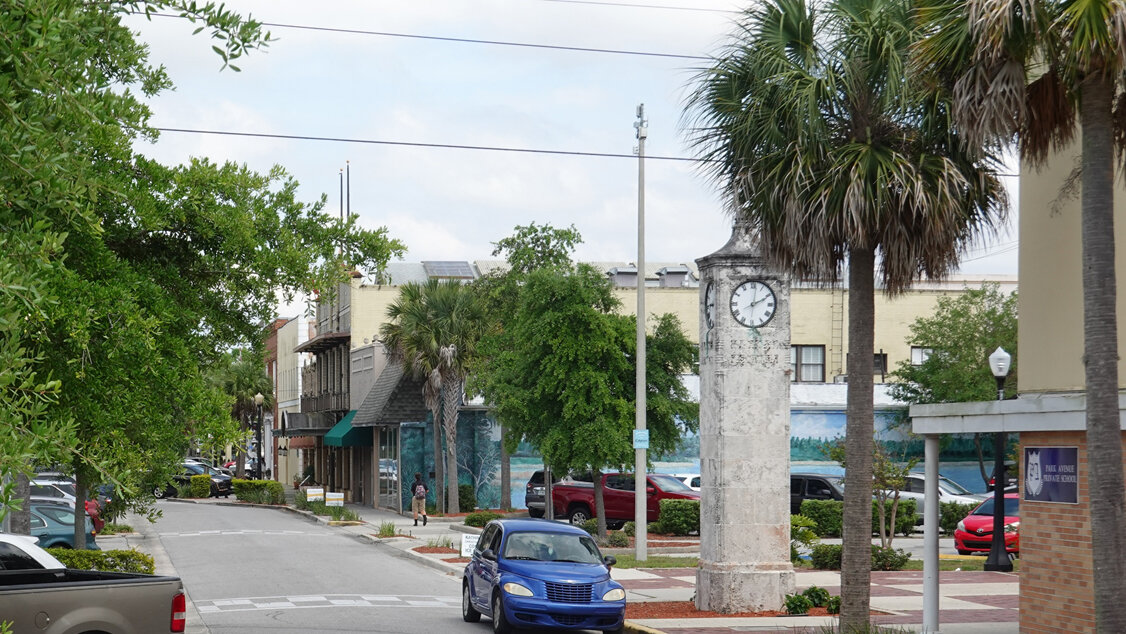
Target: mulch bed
687,610
457,560
435,549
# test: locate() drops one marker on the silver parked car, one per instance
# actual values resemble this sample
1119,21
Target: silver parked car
948,491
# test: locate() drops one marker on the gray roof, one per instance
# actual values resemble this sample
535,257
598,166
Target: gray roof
396,397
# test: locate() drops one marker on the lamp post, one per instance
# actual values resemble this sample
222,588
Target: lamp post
998,558
258,398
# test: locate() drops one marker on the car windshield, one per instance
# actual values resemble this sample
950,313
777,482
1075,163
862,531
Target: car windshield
668,483
536,546
1012,507
952,487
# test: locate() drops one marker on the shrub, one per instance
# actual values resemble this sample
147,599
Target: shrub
679,517
466,498
618,539
826,556
905,515
802,534
797,604
888,558
950,513
819,597
480,518
112,528
183,489
387,529
104,560
826,513
258,491
630,529
591,526
201,486
834,605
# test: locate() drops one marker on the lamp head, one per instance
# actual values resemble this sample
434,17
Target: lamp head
258,398
999,363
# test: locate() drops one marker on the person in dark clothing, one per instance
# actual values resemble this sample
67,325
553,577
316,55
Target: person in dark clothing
418,498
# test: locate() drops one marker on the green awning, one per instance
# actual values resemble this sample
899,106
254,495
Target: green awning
344,435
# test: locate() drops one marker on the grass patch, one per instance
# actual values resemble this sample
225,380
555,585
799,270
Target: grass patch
441,542
387,529
656,561
968,563
113,529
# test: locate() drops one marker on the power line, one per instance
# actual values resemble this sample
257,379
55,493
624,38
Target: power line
580,49
643,6
489,148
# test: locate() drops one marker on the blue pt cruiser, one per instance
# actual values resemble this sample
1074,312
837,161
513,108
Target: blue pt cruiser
541,575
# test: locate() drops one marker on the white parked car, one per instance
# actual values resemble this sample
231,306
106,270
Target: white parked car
948,491
690,479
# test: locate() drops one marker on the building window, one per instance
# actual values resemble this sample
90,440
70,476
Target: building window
807,364
920,355
880,363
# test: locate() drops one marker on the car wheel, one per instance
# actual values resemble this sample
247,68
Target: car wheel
500,622
615,525
537,513
158,492
469,614
578,516
964,552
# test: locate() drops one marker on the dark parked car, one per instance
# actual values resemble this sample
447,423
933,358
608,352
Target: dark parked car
814,486
540,575
220,484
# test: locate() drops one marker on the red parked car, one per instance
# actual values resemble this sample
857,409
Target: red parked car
974,534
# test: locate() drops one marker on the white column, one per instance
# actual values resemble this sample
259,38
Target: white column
930,536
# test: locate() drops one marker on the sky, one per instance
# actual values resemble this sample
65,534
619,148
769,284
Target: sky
448,203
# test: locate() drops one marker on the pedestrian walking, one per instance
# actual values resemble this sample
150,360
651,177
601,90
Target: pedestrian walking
418,500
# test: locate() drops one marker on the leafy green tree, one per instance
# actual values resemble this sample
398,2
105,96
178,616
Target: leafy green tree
434,328
561,375
240,375
810,125
1035,71
528,249
961,334
155,269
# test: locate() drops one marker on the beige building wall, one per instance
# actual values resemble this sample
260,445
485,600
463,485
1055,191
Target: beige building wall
1051,308
369,310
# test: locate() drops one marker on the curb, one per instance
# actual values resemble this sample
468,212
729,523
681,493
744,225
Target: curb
630,626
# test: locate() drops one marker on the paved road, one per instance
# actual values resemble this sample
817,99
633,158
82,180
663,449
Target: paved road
256,570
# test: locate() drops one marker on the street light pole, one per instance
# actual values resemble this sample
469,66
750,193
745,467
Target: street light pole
998,557
258,398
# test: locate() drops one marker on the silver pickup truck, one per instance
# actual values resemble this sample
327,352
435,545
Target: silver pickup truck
38,594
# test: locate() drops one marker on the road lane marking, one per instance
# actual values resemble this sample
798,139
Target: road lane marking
251,604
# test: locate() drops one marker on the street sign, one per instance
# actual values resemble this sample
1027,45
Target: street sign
334,499
468,542
315,495
641,439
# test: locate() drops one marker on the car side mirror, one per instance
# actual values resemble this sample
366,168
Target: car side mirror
651,490
489,554
610,560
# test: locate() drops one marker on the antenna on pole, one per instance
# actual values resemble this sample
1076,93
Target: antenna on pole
640,433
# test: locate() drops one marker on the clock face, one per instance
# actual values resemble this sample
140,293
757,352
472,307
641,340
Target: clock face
752,304
709,305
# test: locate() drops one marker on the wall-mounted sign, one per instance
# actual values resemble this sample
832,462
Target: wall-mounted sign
641,439
1051,474
334,499
315,495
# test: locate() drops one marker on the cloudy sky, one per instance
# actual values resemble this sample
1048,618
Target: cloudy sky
342,70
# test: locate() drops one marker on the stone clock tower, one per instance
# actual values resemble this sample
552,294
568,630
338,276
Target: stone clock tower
744,431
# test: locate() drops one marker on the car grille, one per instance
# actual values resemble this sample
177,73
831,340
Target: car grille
977,544
569,592
568,619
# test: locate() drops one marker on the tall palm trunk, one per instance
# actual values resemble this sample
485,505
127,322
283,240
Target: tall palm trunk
439,472
451,399
856,554
1104,432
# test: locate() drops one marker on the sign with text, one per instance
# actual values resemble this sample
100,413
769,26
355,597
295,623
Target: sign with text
468,542
1051,474
641,439
334,499
315,495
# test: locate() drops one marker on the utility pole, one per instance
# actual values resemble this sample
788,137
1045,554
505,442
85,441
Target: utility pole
640,432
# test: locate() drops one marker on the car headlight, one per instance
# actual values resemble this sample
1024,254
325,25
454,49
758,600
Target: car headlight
961,526
1012,528
617,594
516,589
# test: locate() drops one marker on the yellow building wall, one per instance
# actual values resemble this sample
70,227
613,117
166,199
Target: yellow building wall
369,310
1051,304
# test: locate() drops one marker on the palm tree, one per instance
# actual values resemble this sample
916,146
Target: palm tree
434,328
241,376
811,129
1033,70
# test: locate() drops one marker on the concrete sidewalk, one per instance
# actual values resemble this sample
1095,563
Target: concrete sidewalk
970,603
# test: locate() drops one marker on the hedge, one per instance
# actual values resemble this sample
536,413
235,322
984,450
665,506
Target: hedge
104,560
950,513
678,517
480,518
466,498
828,557
201,486
828,515
258,491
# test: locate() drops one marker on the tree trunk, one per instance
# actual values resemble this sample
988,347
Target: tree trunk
240,456
599,505
451,400
856,554
80,480
439,471
20,522
1100,353
505,474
